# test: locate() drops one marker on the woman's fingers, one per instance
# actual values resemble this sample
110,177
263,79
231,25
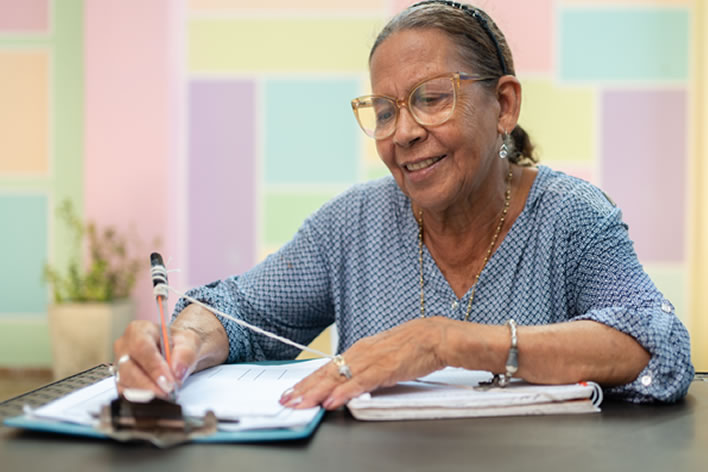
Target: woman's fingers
402,353
131,375
146,368
186,344
328,387
311,390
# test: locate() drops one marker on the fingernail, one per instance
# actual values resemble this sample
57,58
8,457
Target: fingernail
294,402
286,395
328,403
165,384
180,371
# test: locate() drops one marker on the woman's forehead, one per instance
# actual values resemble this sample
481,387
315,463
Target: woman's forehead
407,57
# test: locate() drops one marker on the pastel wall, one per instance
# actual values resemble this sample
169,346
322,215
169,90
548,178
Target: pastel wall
41,162
217,126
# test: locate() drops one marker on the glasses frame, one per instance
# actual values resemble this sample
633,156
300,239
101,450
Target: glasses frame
455,77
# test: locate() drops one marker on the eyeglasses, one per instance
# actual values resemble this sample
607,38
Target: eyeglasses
430,103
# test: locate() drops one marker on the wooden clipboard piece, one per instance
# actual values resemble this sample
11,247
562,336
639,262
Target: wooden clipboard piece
155,420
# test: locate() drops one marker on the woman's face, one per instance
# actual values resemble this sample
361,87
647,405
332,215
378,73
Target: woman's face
438,167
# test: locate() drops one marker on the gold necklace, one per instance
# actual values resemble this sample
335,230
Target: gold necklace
505,210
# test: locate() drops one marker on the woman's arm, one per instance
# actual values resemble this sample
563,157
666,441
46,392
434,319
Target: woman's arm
287,294
555,354
552,354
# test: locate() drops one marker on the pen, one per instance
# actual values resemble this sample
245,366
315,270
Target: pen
159,283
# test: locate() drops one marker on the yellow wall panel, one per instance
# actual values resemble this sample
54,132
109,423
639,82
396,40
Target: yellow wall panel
24,111
268,45
560,120
699,261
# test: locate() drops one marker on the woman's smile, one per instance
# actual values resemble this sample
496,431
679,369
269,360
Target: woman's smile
423,164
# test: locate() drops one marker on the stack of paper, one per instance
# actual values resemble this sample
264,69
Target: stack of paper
242,396
455,393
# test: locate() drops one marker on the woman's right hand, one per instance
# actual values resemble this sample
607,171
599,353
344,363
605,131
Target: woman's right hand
198,341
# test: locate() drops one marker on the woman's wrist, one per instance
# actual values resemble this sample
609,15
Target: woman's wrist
476,346
211,340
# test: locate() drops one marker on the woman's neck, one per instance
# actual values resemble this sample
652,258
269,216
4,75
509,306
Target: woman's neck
460,238
466,228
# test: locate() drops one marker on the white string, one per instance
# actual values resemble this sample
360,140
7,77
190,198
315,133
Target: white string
159,278
248,325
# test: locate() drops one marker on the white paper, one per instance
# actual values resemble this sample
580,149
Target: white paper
248,393
454,388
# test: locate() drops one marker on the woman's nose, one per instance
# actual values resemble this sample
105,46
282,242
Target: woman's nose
408,131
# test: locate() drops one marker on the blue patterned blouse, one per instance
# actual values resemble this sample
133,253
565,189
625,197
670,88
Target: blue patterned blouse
355,262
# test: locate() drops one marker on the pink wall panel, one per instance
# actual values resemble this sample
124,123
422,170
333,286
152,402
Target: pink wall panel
128,110
643,162
24,15
527,25
529,30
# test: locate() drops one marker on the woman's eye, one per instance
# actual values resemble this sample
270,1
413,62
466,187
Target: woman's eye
384,116
432,99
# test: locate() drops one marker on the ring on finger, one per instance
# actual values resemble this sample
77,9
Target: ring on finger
122,360
114,369
342,366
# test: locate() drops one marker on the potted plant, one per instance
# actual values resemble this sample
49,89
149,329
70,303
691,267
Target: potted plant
92,304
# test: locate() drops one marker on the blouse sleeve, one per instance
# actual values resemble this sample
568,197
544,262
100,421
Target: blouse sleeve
612,288
288,294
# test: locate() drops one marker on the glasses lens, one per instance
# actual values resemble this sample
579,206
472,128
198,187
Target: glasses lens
376,115
432,102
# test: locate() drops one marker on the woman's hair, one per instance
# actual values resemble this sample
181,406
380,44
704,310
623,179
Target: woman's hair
480,44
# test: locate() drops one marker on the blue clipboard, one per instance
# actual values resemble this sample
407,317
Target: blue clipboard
258,435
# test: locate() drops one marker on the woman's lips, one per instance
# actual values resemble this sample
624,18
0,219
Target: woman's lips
422,164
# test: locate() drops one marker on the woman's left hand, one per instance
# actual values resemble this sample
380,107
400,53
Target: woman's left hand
406,352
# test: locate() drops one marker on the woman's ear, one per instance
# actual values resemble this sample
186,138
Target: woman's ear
509,97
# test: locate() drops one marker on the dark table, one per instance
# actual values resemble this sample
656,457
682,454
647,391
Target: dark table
624,437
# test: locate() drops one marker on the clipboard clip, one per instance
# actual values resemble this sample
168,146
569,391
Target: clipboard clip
155,420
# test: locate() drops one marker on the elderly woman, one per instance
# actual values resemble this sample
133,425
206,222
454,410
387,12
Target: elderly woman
469,256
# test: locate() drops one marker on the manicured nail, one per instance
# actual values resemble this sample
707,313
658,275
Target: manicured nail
165,384
327,404
286,395
294,402
180,371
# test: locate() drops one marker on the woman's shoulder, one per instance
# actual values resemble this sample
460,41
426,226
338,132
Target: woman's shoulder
368,201
568,196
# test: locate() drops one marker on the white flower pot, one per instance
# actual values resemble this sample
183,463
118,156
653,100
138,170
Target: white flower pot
82,334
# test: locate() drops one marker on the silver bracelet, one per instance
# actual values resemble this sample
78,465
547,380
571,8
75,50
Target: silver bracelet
512,361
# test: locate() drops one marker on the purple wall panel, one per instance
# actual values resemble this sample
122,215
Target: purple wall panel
644,167
221,229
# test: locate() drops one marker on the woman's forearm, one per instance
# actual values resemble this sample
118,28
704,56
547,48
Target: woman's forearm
556,353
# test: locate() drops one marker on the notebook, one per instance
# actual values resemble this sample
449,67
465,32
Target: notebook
456,393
